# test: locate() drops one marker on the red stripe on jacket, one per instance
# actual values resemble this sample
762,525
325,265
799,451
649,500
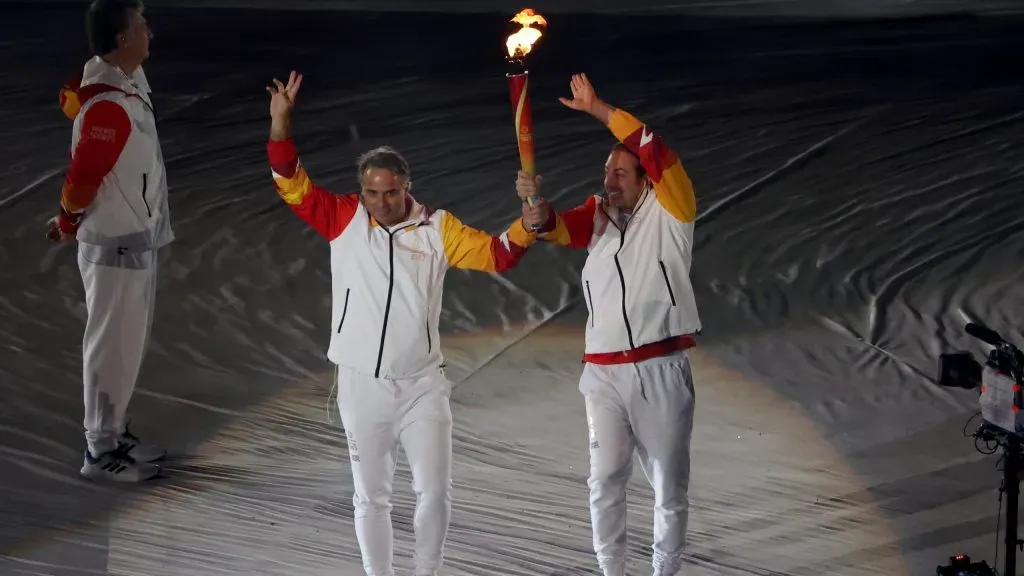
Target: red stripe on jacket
324,211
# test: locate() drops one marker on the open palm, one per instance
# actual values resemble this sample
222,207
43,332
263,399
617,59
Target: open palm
282,96
583,95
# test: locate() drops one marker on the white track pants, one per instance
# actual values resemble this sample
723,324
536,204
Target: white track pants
647,406
377,415
119,298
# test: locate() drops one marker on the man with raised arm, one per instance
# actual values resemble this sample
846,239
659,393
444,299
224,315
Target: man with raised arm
389,257
636,378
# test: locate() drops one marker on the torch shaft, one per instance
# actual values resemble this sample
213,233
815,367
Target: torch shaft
518,85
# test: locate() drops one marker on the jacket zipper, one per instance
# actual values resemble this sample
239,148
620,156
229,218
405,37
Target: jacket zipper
590,303
430,345
618,267
391,289
344,310
622,282
668,285
145,185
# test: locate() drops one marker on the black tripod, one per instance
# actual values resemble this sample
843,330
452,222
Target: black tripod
961,565
1011,484
1011,444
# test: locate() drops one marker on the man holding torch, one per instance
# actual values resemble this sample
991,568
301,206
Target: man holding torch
389,256
636,379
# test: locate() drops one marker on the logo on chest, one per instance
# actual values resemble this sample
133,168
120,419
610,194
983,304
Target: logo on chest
416,248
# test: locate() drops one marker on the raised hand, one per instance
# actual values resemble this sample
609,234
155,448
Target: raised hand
583,95
282,96
585,99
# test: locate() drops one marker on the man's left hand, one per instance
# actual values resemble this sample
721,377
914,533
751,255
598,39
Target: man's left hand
534,217
55,234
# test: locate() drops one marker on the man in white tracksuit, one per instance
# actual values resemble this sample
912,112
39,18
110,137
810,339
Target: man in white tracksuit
114,202
389,256
636,378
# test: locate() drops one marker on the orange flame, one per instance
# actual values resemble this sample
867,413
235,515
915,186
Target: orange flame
521,42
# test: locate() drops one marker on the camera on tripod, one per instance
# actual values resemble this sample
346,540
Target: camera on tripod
1000,380
1001,397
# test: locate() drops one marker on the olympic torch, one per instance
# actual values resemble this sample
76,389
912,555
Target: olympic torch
519,45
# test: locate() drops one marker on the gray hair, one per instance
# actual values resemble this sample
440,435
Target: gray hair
105,19
385,158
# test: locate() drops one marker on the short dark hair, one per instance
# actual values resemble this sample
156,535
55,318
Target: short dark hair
641,172
104,20
384,157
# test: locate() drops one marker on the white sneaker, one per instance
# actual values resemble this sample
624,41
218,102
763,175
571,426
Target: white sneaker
118,466
132,446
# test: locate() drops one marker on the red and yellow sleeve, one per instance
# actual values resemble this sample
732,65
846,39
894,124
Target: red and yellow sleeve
672,185
572,228
104,132
472,249
324,211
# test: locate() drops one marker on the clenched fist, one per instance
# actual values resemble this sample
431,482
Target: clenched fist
527,186
534,217
62,234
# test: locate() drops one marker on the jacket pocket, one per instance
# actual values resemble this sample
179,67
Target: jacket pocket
145,186
590,303
344,310
668,285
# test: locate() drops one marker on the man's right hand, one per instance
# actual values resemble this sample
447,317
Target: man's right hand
282,96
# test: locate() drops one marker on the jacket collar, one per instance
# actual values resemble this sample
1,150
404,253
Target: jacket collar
98,77
99,71
620,218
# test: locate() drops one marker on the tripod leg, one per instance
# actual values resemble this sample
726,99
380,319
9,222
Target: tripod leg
1012,487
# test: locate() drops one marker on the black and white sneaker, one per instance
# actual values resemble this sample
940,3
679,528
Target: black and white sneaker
134,447
118,466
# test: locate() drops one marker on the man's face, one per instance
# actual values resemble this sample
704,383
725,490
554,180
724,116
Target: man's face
385,195
623,179
136,38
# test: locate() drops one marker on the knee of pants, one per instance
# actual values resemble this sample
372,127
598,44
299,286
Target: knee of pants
674,509
438,501
372,503
437,490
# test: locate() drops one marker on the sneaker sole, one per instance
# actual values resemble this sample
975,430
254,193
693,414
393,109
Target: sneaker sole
86,473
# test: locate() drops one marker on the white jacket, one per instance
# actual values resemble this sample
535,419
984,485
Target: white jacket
130,210
636,279
387,281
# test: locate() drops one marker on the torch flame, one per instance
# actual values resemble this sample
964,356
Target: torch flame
521,42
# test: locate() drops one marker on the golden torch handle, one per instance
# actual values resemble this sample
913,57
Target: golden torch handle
518,85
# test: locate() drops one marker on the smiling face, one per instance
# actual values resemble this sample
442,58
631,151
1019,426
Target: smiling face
384,183
385,195
624,179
